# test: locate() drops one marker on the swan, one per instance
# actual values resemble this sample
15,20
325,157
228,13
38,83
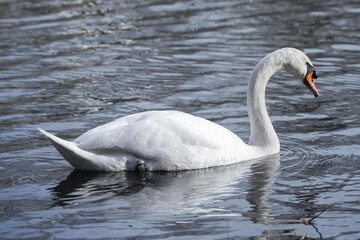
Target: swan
173,140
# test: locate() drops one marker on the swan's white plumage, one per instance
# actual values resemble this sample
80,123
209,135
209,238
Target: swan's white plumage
172,140
162,140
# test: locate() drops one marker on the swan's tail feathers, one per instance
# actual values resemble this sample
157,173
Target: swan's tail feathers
77,157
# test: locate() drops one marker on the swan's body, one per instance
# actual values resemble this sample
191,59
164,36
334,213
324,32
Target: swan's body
171,140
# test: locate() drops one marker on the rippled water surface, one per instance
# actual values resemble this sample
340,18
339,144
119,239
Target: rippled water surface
68,66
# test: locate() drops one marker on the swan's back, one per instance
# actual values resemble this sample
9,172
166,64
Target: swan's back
164,140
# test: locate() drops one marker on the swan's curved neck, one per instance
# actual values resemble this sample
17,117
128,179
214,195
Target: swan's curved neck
262,131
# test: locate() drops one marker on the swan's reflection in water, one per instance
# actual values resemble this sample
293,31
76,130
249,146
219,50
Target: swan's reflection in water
262,176
246,184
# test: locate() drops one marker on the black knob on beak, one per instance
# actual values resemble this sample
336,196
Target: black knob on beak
315,76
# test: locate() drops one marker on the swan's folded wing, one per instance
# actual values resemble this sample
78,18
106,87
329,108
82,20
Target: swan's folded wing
149,134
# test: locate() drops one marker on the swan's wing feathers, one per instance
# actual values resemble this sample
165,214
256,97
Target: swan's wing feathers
152,133
134,131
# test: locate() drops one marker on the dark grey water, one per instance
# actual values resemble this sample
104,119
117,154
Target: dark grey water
68,66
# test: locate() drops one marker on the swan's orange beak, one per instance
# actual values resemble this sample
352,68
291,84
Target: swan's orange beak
309,82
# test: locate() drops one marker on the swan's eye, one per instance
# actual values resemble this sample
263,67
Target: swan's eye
310,68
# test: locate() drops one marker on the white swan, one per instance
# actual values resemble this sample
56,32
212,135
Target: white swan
171,140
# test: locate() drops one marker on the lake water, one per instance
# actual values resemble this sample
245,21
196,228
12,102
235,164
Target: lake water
68,66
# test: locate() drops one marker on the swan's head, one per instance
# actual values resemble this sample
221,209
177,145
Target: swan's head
298,64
